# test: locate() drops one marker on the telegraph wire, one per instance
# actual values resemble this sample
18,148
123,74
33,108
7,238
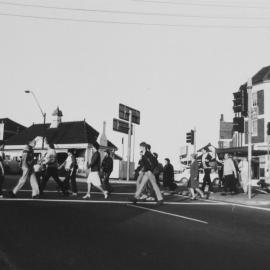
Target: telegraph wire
204,4
137,13
135,23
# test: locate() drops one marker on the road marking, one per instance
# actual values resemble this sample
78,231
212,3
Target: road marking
233,204
103,201
168,214
94,192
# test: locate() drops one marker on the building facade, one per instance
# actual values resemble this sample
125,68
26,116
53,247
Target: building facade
260,119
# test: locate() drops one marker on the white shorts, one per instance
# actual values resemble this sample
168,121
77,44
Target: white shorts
94,179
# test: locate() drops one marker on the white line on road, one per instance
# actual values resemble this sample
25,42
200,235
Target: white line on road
168,214
104,201
56,191
233,204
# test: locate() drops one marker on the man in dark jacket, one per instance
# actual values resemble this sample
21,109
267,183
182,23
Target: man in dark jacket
168,175
106,169
148,164
158,170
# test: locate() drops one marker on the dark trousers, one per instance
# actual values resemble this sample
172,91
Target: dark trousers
2,178
51,172
70,177
230,183
106,182
206,179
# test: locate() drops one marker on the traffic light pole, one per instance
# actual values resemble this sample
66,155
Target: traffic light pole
249,87
129,145
195,140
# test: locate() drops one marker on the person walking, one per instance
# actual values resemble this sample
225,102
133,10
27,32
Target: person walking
158,170
106,170
243,167
27,173
51,164
2,175
93,177
168,175
238,175
194,178
148,164
71,166
206,158
229,174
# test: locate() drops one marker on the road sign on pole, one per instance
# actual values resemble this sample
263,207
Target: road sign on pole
129,146
121,126
124,112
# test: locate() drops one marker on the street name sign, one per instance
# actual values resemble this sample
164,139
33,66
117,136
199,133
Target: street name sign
121,126
124,114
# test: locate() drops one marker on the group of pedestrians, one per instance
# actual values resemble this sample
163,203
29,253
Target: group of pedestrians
38,172
233,174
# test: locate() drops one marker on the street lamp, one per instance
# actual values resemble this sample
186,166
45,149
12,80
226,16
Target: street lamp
42,112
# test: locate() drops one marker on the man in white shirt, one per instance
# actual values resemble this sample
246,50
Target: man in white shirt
229,174
51,163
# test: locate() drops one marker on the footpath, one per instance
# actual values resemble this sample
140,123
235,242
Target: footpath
241,198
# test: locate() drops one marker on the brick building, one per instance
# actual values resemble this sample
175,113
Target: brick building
260,118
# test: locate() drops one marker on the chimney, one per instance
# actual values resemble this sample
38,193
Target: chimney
56,118
103,138
222,118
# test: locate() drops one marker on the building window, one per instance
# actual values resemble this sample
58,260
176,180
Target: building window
254,99
255,127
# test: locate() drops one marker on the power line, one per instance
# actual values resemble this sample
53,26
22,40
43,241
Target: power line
204,4
135,23
133,12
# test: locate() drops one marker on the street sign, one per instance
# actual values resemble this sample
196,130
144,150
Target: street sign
121,126
124,114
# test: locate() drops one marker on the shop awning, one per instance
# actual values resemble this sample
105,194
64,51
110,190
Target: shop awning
240,151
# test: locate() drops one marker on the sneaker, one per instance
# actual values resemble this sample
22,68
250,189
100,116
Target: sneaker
74,194
150,199
11,194
106,195
87,196
143,197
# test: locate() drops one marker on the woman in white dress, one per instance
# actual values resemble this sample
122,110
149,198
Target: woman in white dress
93,177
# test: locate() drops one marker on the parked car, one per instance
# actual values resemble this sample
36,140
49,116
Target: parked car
12,167
182,177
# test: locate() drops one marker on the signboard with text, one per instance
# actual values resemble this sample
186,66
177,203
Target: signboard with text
124,114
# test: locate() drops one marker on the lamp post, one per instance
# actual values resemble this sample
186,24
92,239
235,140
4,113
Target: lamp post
42,112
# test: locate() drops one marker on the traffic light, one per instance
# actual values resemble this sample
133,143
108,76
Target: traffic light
240,102
268,128
239,124
190,137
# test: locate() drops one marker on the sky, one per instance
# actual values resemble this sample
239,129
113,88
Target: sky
179,77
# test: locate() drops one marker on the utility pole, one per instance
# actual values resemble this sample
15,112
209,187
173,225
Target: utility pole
129,145
249,88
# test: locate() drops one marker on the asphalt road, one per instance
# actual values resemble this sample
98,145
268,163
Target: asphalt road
68,233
